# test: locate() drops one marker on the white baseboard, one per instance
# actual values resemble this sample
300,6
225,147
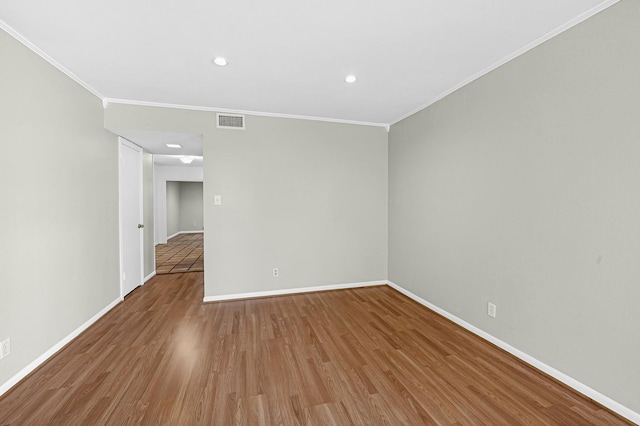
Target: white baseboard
558,375
257,294
185,232
148,277
48,354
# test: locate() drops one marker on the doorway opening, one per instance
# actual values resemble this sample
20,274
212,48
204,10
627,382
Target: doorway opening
184,248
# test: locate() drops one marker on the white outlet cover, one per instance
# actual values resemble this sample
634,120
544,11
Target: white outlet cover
491,310
5,349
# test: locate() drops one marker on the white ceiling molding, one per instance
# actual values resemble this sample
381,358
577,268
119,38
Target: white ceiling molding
458,43
586,15
243,112
43,55
107,101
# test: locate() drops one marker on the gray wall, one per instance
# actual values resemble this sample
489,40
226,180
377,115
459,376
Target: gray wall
173,208
184,207
191,209
523,188
161,175
148,211
307,197
59,185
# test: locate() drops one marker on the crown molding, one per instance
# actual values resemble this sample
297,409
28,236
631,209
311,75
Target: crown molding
107,101
35,49
562,28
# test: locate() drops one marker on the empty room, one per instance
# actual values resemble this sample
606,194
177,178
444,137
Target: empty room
414,212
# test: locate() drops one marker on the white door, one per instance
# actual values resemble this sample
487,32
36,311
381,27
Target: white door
130,216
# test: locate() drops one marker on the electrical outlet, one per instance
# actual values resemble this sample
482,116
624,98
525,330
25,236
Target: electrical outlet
5,348
275,273
491,310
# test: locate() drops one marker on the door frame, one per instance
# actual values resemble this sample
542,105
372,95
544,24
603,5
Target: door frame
123,142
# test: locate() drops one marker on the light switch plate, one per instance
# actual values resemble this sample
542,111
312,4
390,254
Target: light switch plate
217,200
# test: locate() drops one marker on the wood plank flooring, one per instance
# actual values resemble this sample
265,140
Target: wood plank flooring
182,253
367,356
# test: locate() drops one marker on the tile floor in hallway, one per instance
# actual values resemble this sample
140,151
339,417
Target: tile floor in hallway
182,253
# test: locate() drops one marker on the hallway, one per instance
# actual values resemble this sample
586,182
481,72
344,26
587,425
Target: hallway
182,253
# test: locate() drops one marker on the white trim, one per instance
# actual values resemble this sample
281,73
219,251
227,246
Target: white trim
580,18
35,49
185,232
106,101
558,375
241,111
283,292
148,277
55,348
174,235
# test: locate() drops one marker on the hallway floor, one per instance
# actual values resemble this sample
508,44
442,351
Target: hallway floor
182,253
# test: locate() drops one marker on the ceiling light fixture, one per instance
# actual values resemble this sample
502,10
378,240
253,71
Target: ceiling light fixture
350,78
186,159
220,61
174,145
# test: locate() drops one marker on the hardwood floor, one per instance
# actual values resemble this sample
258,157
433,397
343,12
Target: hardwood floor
182,253
365,356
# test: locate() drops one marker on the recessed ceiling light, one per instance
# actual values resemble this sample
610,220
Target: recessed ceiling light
350,78
186,159
174,145
220,61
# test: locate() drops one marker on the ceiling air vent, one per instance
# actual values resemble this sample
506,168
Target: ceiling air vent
230,121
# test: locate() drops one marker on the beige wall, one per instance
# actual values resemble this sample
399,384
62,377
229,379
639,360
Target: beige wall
59,185
148,211
173,208
307,197
523,188
184,207
191,209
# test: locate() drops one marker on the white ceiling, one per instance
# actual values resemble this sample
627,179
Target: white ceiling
156,142
287,57
174,160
